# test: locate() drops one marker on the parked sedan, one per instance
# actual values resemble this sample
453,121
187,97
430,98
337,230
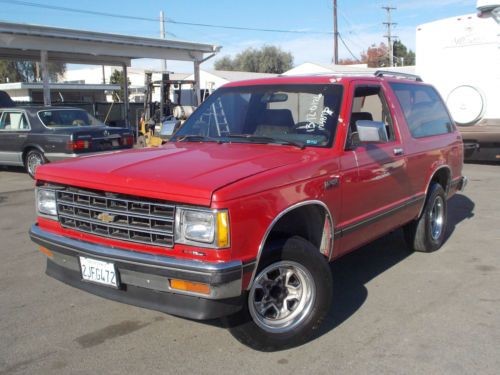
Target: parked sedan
31,136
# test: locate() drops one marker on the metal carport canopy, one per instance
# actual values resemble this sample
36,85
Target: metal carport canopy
44,43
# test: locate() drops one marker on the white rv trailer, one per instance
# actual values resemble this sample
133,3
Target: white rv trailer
461,57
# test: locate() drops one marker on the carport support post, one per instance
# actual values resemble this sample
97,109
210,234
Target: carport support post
45,78
197,82
125,97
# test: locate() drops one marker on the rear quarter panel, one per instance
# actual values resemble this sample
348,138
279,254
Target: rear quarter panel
428,154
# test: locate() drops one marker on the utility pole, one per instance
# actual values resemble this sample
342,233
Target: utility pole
335,35
162,35
389,35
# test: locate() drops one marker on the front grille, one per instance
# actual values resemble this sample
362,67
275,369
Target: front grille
117,217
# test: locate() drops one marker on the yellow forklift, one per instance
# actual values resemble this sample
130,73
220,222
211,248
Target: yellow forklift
160,119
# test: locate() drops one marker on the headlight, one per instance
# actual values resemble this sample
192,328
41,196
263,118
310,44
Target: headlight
209,228
46,202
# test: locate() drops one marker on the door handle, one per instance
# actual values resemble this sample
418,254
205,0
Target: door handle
398,151
22,136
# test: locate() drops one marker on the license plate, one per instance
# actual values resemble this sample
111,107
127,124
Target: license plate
99,272
115,143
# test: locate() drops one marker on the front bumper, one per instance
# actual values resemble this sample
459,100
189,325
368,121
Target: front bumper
144,278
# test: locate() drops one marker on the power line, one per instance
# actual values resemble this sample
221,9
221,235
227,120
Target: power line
352,31
348,49
73,10
156,20
249,28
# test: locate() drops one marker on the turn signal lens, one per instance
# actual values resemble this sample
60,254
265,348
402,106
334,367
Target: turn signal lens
189,286
222,229
46,251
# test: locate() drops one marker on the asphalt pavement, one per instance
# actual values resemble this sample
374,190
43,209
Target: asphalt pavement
394,312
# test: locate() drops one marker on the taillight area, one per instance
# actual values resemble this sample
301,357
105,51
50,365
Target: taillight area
78,145
127,140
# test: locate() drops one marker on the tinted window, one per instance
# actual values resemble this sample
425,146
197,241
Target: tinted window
67,117
425,112
305,114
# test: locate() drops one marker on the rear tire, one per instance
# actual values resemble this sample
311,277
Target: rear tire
288,300
427,233
33,160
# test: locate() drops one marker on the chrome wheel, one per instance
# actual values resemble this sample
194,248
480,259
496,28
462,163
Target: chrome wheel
437,218
33,160
281,296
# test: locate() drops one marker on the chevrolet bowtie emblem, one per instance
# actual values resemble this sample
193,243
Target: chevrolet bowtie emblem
105,217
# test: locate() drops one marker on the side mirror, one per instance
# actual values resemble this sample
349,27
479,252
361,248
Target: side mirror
371,131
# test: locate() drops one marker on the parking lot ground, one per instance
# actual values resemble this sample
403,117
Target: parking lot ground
14,179
394,312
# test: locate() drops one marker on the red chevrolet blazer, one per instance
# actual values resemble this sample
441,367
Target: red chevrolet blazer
241,212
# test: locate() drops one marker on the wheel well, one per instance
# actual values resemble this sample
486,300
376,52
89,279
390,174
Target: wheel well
442,176
26,150
305,221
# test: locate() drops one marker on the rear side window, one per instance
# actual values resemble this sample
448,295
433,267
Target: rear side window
425,112
13,121
67,117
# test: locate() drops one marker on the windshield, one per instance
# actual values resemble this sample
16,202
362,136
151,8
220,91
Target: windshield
67,117
303,115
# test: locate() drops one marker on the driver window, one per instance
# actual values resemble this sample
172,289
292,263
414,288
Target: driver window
369,104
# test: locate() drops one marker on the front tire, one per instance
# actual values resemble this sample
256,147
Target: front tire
289,298
33,160
427,233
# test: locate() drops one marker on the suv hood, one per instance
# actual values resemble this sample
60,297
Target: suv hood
178,172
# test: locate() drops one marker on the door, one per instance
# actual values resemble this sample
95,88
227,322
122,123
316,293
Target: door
14,128
374,181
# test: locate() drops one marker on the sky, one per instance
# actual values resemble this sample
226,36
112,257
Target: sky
360,22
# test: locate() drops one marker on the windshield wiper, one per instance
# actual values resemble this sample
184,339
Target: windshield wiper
262,139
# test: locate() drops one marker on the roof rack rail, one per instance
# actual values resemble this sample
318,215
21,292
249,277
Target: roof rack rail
390,73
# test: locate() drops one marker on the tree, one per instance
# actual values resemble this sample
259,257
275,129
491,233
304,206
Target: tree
403,56
376,56
28,71
224,63
117,77
268,59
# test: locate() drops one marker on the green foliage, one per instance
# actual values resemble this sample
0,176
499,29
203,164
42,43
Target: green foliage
268,59
378,56
403,56
224,63
117,77
28,71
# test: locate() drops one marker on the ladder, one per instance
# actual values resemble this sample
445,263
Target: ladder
220,118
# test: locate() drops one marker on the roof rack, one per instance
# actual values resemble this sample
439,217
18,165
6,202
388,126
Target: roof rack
390,73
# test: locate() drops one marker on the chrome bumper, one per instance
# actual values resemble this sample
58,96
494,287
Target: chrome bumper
56,156
146,270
